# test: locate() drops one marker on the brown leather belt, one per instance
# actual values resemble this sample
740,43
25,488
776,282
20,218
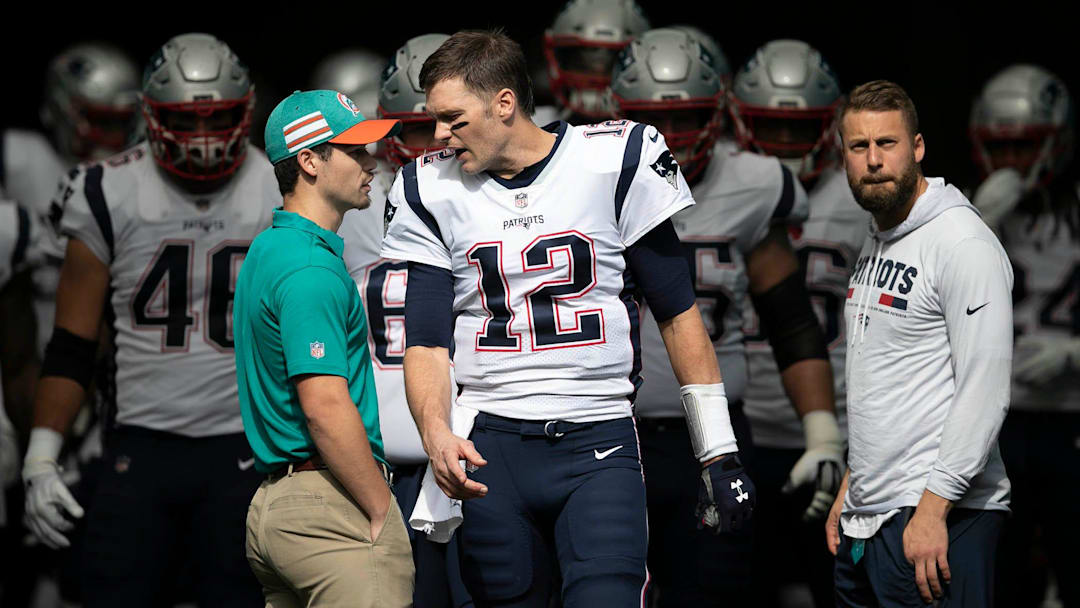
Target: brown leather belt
315,463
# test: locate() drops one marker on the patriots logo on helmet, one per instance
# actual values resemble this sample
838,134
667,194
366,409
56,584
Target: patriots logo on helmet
348,104
667,168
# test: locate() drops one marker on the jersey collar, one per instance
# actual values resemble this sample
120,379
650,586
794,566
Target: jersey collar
288,219
529,174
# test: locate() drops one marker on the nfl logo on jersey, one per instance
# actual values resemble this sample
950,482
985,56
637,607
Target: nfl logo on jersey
317,350
521,200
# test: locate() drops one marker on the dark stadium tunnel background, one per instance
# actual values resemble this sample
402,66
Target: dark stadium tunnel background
941,54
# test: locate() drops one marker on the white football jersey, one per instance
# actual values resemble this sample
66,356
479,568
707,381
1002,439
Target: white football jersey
382,283
30,169
20,239
739,197
546,325
1045,255
173,258
19,235
828,245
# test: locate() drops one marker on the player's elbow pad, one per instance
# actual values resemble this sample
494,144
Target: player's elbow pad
70,356
429,306
790,323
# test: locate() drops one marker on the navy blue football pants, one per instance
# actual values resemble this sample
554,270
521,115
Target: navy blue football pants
438,574
565,502
163,498
884,577
692,567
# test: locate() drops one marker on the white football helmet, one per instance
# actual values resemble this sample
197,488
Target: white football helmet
354,72
667,78
197,100
1023,119
784,104
581,47
91,97
402,97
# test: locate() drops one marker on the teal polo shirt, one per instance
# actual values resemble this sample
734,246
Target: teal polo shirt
296,311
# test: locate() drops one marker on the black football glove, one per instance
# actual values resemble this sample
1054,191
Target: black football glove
726,497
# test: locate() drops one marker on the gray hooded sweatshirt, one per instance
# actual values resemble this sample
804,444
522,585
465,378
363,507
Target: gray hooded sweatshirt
929,324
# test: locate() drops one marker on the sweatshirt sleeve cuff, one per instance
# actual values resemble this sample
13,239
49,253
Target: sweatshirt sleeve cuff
947,485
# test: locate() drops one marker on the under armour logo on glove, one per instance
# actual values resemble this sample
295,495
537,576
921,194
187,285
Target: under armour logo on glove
739,494
726,497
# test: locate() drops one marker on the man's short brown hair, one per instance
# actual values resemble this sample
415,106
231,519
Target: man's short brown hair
882,96
486,61
287,171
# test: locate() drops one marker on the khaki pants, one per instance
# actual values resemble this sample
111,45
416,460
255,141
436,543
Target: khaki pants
310,544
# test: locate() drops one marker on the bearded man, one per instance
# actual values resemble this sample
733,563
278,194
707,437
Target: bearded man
929,321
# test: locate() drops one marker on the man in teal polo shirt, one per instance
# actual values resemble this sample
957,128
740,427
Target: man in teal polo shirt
323,529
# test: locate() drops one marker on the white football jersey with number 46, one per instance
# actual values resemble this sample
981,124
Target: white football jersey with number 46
173,258
546,326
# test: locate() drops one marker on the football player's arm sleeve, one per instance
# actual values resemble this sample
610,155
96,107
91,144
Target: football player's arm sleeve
787,203
789,322
313,306
651,187
429,303
976,297
85,214
658,264
412,232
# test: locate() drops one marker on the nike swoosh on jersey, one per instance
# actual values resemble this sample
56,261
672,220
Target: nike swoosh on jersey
244,465
652,137
602,455
971,311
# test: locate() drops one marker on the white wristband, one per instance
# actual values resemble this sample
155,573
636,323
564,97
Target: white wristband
820,428
707,418
45,445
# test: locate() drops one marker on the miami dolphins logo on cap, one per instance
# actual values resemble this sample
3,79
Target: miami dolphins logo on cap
348,103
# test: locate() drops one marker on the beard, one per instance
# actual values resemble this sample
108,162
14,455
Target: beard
880,200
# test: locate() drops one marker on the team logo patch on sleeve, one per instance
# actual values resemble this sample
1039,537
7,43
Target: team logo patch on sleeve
667,168
318,350
388,216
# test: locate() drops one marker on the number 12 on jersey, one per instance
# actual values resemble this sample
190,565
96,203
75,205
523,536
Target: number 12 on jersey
548,329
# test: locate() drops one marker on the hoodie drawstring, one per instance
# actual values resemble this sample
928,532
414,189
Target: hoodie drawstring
864,299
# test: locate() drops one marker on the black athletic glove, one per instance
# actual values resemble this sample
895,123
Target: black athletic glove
726,497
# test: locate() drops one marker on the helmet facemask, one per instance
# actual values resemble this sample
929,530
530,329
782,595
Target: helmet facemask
414,127
690,127
203,140
92,131
1028,149
802,138
581,73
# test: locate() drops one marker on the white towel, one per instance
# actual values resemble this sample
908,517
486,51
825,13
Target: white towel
435,513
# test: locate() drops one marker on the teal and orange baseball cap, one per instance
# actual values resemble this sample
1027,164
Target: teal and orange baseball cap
308,118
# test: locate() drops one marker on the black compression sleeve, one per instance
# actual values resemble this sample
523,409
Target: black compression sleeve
69,356
658,264
789,322
429,304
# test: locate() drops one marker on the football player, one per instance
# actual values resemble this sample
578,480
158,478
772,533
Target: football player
580,48
89,112
736,245
524,245
156,236
382,284
784,104
1022,130
19,252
